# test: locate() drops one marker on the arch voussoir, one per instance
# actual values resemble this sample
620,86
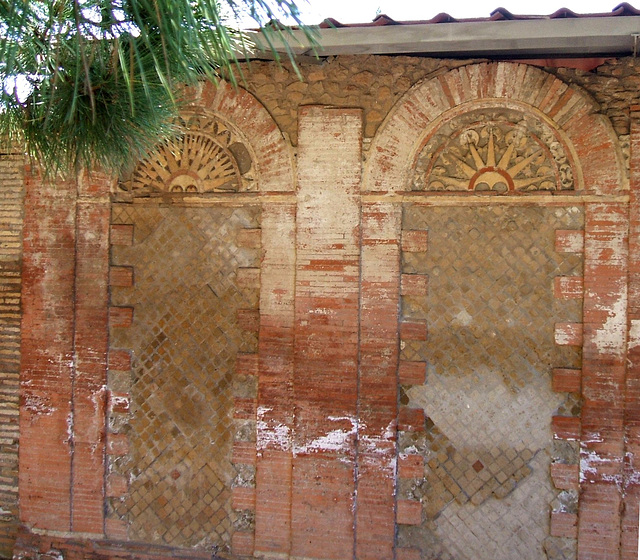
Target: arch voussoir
274,160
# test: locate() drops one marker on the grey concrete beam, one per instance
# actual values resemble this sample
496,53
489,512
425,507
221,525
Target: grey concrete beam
557,37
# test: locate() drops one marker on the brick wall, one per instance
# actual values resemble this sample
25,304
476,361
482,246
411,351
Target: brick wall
64,350
393,316
12,196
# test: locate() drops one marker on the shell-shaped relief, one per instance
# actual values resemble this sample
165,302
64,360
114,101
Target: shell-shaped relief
496,150
205,157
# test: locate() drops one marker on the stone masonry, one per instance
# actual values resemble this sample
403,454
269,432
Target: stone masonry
385,312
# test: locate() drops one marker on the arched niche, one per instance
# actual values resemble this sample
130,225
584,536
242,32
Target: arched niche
515,113
229,143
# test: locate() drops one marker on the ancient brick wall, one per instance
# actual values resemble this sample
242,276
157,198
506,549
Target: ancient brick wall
11,220
388,311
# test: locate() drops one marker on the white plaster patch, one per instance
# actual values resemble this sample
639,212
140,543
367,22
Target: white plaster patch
595,438
610,339
334,440
120,401
634,333
481,399
69,427
97,398
563,336
271,434
589,463
633,477
378,444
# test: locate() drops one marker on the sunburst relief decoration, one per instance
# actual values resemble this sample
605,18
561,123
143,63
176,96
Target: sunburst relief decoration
206,158
498,150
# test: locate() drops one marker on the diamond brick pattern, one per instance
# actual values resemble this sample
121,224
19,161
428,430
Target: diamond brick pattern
490,311
185,339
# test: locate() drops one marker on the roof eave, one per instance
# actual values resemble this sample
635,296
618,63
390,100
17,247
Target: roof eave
543,37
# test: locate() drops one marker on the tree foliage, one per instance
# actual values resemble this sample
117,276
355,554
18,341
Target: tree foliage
86,83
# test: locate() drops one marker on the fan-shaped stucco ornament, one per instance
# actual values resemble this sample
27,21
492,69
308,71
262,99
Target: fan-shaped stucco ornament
207,157
494,149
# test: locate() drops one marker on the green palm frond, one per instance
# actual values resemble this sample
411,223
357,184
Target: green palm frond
86,83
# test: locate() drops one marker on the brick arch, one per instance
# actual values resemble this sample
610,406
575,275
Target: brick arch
238,107
588,134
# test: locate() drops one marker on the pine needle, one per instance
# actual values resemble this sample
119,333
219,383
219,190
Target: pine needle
92,83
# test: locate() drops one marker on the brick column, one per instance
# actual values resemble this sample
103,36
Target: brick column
603,380
326,338
90,347
275,381
377,395
47,361
629,537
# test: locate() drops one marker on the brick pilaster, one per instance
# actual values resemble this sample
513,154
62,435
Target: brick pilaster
275,382
64,357
90,347
326,339
629,536
377,396
11,223
603,380
47,361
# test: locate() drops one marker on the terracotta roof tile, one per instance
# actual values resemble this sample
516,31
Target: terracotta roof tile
625,9
499,14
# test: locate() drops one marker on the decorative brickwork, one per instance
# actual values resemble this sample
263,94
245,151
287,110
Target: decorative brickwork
185,338
433,105
488,279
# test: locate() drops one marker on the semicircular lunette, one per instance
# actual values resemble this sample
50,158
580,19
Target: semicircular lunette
496,150
206,157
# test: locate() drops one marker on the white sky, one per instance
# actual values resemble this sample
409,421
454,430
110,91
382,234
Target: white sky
361,11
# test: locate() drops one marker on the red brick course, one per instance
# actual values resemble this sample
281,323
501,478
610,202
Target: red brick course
603,377
412,373
569,241
568,287
121,276
568,334
566,427
414,285
409,512
244,498
377,395
629,522
411,466
566,380
121,234
411,419
564,525
414,241
565,477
